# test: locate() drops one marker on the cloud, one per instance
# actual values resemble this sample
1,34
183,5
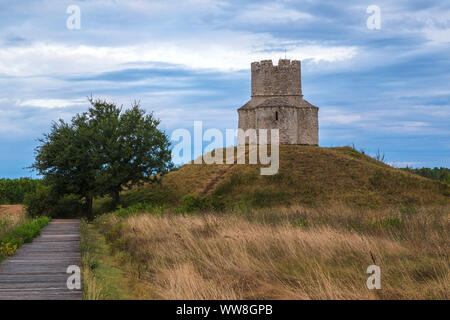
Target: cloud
437,35
234,53
404,164
271,13
51,103
338,117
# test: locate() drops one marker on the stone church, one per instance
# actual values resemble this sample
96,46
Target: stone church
277,103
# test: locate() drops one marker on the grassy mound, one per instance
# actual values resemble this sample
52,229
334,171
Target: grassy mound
307,175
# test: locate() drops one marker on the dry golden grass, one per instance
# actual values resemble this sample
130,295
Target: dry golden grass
291,253
94,291
11,216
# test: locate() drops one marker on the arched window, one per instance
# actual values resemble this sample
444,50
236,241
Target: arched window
276,115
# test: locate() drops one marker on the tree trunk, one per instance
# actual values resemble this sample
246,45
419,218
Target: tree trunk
116,198
90,213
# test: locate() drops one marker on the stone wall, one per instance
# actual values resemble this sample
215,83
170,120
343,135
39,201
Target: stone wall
308,125
286,123
281,80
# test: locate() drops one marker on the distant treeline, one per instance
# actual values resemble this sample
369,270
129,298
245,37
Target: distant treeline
441,174
12,191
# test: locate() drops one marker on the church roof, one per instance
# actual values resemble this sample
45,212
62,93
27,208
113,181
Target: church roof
276,102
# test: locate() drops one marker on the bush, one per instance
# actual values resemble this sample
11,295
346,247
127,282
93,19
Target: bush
12,191
198,203
139,208
44,203
69,206
21,234
38,203
192,203
260,198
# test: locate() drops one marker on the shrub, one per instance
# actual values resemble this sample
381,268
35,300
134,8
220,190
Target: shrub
68,206
12,191
260,198
39,202
191,203
44,203
7,249
199,203
21,234
139,208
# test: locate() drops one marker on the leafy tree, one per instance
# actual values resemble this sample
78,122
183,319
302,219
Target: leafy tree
131,148
103,151
12,191
67,160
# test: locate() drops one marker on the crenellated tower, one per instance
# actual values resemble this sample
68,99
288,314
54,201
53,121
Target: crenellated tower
277,103
282,80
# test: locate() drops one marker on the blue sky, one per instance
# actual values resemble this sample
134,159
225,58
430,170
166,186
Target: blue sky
189,60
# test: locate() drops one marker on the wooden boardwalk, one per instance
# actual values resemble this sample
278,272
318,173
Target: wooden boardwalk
38,270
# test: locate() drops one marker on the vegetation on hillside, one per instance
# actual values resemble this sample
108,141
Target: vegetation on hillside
441,174
308,175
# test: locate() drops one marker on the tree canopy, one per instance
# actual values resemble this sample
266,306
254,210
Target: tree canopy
103,151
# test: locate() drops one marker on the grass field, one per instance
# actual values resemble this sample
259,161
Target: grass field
290,253
308,232
10,216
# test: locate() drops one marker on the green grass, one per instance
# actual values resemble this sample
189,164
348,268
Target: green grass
104,274
23,233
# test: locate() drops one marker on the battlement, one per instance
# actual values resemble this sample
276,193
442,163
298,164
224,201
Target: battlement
281,80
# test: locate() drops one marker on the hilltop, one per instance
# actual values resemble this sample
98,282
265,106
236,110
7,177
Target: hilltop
308,175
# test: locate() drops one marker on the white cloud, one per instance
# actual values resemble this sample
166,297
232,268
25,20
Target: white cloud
341,119
271,13
331,116
233,51
403,164
437,36
51,103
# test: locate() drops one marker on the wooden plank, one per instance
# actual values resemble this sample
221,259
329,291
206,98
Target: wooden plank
40,297
19,278
34,285
38,269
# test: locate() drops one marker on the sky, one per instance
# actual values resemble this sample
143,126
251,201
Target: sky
385,88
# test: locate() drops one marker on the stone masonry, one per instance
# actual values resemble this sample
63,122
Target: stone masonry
277,103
